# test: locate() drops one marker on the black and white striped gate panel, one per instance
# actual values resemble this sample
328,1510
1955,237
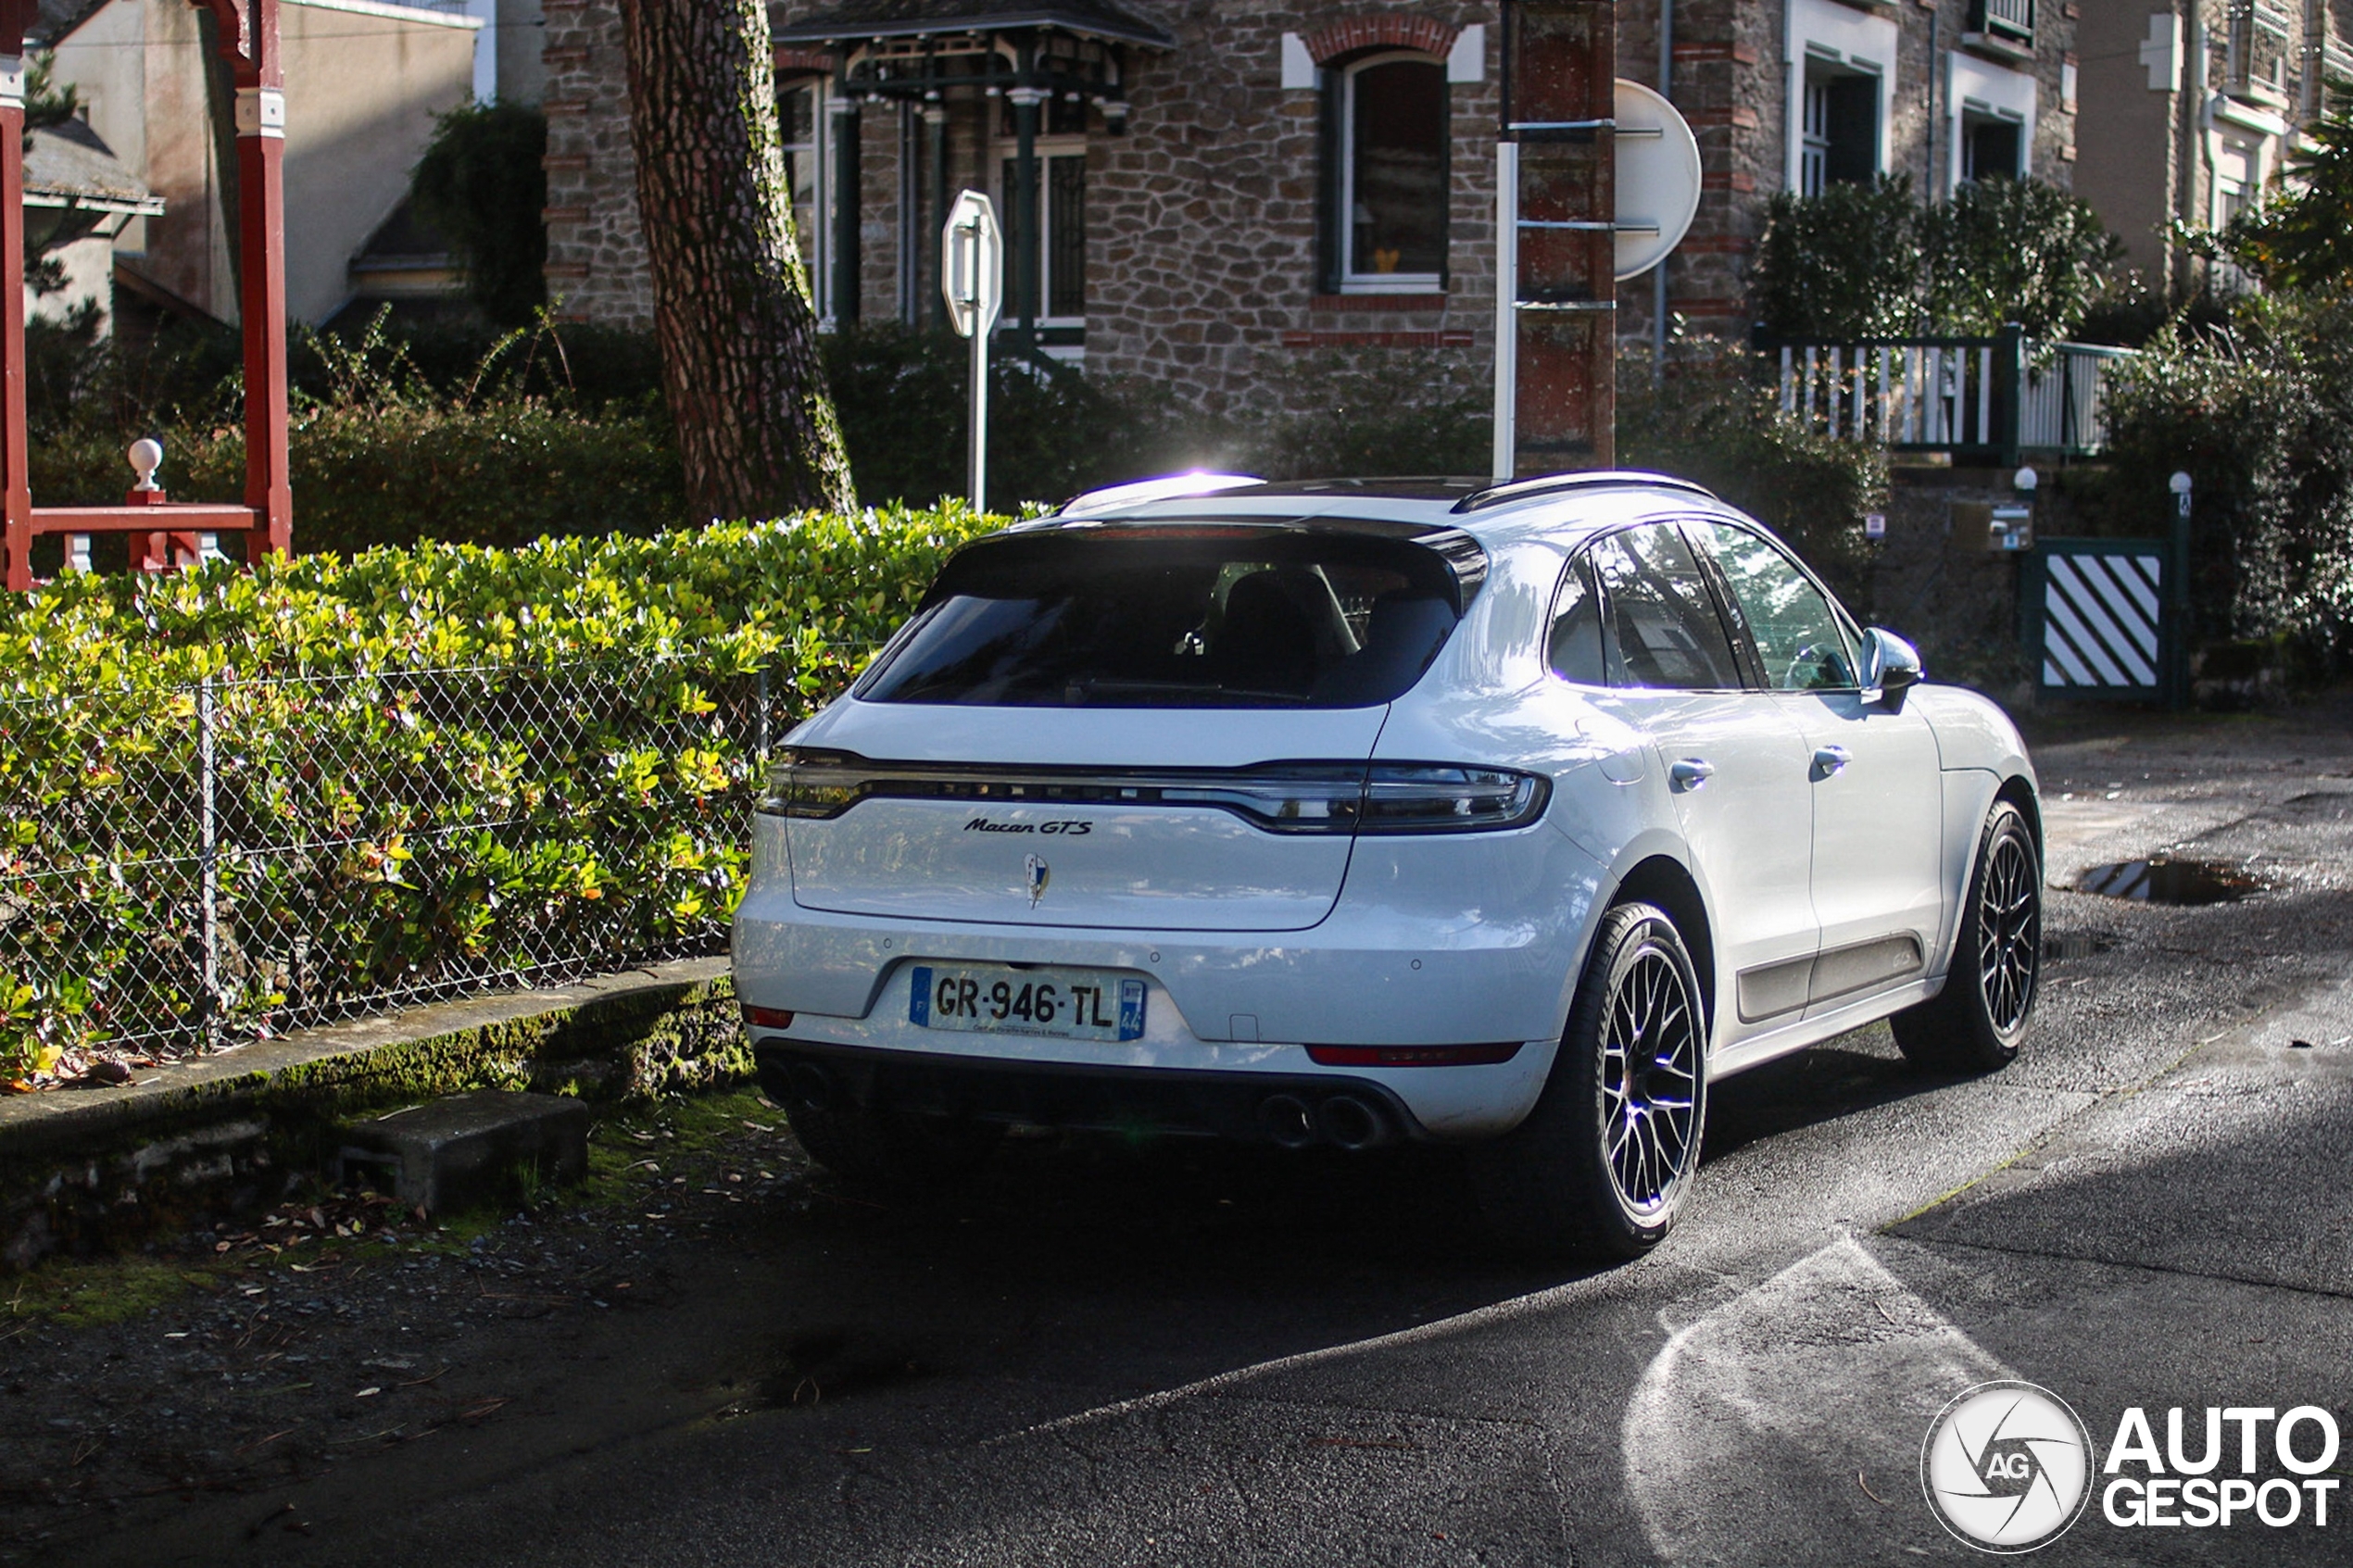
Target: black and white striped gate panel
2100,620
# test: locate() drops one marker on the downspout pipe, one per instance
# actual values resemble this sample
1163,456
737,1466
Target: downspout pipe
1658,273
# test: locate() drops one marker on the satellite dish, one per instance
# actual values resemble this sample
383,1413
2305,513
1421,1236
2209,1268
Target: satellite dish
1657,178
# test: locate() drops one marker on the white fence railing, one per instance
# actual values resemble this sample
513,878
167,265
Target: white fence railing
2001,393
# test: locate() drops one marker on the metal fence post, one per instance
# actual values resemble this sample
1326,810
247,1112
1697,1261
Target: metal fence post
2009,392
761,691
208,860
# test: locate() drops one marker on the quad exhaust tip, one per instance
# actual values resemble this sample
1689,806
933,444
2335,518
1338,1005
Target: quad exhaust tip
1347,1121
811,1085
1350,1123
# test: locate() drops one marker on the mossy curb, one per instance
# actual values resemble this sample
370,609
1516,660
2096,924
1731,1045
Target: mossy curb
80,1171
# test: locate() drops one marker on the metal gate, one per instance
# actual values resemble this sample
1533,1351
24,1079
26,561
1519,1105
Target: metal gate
2100,625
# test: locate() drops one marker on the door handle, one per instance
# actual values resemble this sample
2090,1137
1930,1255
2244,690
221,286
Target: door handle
1690,774
1829,759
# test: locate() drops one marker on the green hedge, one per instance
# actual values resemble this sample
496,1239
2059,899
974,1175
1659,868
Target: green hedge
430,767
2258,415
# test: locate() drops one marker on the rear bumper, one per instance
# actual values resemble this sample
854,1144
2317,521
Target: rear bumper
1288,1109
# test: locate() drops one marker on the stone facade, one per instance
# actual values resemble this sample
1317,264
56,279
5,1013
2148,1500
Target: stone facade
1737,77
1202,273
596,248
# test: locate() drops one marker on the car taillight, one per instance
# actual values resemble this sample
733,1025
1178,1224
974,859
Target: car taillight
814,784
1418,797
1286,797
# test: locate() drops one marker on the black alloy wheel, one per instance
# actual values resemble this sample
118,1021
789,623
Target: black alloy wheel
1600,1167
1978,1021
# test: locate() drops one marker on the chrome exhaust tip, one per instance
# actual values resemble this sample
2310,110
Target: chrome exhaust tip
1287,1121
812,1086
1350,1123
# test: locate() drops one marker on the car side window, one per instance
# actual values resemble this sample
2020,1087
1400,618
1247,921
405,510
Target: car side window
1573,649
1661,626
1797,633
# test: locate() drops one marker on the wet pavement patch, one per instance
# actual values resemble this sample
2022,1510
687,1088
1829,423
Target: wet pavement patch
2162,878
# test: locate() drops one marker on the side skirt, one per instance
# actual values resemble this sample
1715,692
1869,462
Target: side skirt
1804,1032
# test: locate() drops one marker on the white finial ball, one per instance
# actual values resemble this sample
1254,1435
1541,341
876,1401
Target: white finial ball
147,455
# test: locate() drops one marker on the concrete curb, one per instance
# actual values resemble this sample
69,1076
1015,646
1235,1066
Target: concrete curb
78,1167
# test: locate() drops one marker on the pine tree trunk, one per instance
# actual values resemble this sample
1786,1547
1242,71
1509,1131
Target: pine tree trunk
738,331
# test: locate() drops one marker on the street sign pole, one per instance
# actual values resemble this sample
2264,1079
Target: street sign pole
973,282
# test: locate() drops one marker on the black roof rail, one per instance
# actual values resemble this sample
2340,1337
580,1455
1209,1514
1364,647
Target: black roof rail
1560,483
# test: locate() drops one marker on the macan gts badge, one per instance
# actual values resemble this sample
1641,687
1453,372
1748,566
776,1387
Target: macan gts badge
1358,812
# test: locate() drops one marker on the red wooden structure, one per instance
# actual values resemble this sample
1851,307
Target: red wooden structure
248,30
1559,65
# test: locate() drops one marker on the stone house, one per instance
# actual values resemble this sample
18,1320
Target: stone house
2201,103
1228,195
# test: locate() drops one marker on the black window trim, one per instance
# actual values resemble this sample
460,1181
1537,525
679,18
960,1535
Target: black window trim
1578,561
1735,632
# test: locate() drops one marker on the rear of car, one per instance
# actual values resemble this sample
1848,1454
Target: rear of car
1105,838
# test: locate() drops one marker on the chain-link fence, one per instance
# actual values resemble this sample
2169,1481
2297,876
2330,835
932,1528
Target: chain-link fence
190,868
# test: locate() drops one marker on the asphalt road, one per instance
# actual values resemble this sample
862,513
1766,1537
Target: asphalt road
1195,1357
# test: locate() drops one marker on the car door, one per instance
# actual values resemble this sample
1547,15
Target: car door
1878,799
1735,761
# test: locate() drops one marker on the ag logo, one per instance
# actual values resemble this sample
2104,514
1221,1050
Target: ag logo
2006,1467
1040,875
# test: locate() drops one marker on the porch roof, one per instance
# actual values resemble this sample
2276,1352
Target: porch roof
861,19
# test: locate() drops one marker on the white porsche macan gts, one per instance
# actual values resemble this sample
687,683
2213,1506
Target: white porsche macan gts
1349,812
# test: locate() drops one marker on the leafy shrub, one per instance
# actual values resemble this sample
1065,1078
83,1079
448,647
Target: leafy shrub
1871,261
481,184
905,398
432,765
1370,411
2258,416
1842,265
2014,250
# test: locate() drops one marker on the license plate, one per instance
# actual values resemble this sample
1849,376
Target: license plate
1061,1003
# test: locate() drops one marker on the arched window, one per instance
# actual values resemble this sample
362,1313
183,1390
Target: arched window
1386,137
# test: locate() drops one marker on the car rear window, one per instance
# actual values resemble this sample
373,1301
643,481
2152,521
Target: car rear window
1174,617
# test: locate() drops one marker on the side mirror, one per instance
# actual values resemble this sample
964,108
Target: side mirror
1890,669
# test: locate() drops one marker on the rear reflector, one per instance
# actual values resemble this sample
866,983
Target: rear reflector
767,1018
1412,1056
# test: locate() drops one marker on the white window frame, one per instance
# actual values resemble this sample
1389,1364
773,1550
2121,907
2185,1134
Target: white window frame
1351,280
816,249
1973,86
1854,42
1814,154
1975,113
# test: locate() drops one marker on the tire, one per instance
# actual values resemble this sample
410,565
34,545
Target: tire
1977,1023
1598,1172
891,1152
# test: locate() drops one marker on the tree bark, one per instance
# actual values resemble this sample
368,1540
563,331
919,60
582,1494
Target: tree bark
739,329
